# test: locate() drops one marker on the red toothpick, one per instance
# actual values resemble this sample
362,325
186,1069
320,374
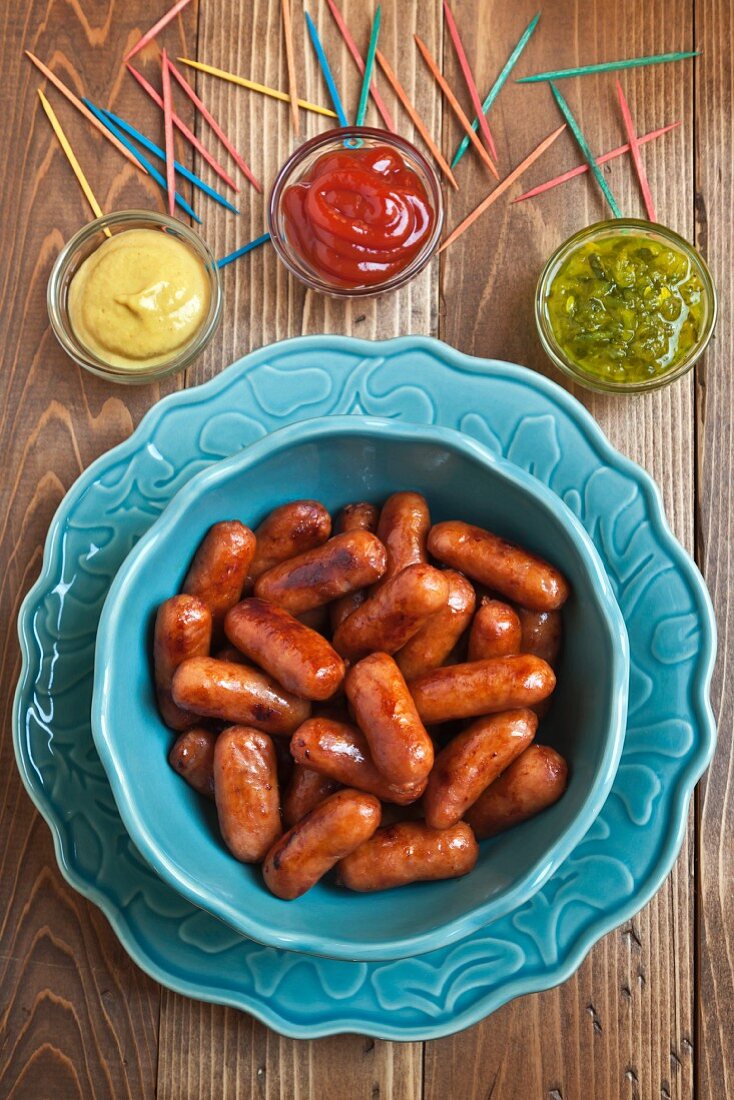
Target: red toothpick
635,151
359,62
502,187
206,113
581,168
162,22
168,131
469,79
455,105
183,128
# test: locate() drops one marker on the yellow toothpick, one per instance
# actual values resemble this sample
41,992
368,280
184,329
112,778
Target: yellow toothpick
75,165
254,87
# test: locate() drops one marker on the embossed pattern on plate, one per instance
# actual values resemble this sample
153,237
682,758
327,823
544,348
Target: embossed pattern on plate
670,737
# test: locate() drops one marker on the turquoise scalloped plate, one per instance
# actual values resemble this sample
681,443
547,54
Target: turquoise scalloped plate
610,874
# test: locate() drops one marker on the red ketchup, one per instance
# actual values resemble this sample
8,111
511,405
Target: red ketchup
358,217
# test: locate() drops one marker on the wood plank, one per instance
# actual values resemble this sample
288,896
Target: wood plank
263,303
623,1026
714,402
79,1019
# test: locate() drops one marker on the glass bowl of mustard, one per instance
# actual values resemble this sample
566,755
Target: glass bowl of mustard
625,306
134,296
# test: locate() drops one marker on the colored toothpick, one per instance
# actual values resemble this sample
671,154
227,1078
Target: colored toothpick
209,117
609,66
233,78
157,27
285,11
502,187
107,121
635,151
243,251
75,165
496,88
415,118
583,146
67,92
352,47
368,68
168,133
183,129
326,71
468,78
573,173
456,106
161,154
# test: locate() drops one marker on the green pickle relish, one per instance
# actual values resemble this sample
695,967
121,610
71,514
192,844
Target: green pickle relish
625,308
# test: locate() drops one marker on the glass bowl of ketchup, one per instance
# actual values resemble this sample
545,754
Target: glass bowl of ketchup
356,212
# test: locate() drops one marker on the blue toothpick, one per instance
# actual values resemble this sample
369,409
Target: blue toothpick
322,60
243,251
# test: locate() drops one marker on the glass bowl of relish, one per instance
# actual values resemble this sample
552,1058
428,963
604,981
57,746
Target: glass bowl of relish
625,305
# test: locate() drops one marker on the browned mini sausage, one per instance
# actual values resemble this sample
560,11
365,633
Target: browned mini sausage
495,631
542,633
237,693
299,658
219,570
305,790
353,517
481,687
289,530
385,712
473,760
246,792
513,572
434,641
393,614
343,564
403,528
410,851
533,782
183,629
192,756
310,848
341,752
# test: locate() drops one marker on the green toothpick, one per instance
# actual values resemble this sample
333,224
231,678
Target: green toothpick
609,66
590,158
368,67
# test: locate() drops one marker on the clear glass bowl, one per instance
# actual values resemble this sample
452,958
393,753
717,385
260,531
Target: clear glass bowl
615,227
87,241
303,159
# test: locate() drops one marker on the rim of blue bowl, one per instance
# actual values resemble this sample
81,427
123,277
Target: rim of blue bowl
442,934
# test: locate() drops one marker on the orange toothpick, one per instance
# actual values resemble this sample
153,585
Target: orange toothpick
469,78
67,92
285,9
503,186
456,106
416,119
634,144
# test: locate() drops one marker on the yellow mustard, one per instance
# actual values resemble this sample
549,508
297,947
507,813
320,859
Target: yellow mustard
138,299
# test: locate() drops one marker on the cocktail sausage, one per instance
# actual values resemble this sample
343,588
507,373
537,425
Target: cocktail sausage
533,782
237,693
481,687
246,792
183,629
410,851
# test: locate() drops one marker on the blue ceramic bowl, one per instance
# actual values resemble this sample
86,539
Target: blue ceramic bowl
337,460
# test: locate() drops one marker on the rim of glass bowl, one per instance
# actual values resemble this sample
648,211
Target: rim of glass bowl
293,261
599,229
77,249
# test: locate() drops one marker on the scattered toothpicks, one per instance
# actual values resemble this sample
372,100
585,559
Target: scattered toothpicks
502,187
285,10
75,165
469,78
352,47
634,144
156,28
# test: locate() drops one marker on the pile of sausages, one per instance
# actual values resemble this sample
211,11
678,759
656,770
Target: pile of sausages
380,708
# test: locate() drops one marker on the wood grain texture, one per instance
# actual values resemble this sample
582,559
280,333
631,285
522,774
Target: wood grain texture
714,402
77,1019
623,1026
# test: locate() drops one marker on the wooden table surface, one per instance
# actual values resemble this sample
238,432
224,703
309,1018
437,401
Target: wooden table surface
650,1013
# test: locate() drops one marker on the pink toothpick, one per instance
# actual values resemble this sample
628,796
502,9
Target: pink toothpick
183,129
162,22
168,130
469,79
242,165
635,151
